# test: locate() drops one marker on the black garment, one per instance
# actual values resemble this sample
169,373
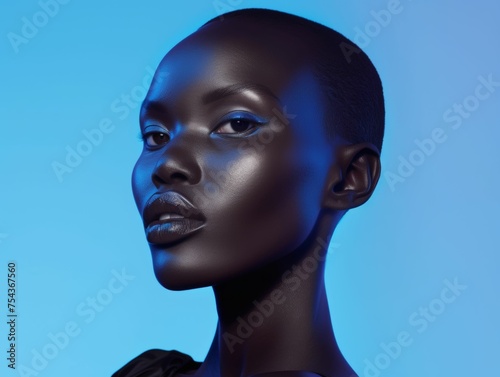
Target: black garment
157,363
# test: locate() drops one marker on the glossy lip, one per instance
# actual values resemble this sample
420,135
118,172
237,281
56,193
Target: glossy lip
187,218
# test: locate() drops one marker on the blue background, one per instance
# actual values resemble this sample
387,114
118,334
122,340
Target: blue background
388,259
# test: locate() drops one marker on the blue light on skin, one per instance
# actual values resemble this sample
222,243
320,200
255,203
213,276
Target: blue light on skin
229,126
236,119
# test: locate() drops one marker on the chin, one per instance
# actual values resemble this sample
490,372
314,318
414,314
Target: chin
178,275
174,282
197,263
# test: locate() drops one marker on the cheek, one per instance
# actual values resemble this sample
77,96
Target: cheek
290,206
268,203
291,201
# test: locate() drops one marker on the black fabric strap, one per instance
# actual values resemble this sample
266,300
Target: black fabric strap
157,363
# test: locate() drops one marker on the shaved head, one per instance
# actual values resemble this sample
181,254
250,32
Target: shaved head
350,83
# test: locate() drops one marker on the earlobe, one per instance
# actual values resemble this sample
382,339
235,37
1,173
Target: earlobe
353,176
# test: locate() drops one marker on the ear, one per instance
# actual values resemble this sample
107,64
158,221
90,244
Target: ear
352,176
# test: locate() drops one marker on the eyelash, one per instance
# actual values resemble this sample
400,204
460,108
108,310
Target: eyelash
143,137
254,120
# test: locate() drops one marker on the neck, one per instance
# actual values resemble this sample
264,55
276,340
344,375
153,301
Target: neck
277,319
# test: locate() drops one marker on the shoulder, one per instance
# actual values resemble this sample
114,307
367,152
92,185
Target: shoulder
157,362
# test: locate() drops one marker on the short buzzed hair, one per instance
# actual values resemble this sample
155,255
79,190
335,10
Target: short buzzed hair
347,76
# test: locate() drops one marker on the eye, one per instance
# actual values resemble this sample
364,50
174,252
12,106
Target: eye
235,126
155,139
239,124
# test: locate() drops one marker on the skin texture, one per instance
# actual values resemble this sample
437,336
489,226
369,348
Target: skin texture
237,130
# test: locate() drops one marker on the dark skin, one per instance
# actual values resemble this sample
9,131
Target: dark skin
237,129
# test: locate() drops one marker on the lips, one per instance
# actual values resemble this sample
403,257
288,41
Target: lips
169,217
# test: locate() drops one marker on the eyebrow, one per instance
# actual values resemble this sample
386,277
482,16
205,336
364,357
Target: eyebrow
220,93
212,96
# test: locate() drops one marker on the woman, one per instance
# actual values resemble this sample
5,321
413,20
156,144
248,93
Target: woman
260,130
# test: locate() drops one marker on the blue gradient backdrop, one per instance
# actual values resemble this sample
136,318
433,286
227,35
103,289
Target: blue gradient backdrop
432,221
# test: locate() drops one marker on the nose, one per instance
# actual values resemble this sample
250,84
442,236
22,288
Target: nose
177,164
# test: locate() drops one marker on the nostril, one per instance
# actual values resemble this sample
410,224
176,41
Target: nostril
157,180
178,177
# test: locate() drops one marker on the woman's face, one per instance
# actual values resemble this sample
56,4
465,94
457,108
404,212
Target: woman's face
235,160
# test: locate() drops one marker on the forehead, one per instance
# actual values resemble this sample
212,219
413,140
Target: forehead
226,54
